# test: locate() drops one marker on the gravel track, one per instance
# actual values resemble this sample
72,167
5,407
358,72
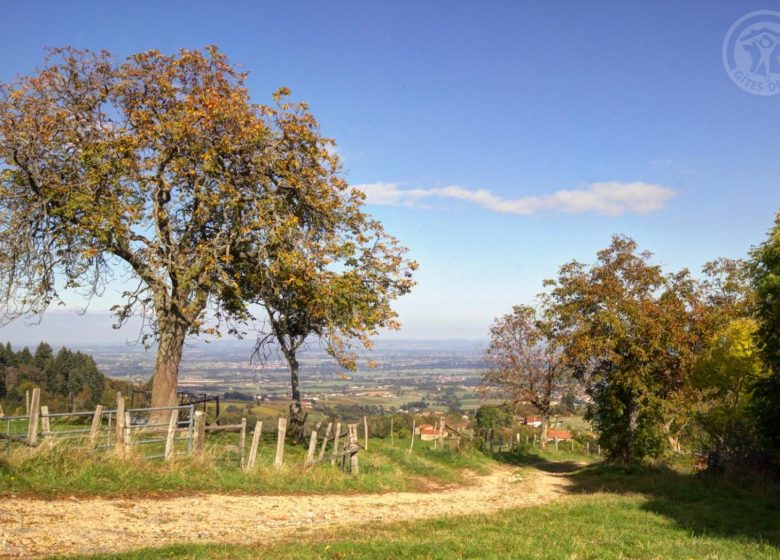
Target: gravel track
36,528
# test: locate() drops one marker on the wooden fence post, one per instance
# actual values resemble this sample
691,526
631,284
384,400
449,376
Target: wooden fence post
336,436
587,448
344,462
411,445
556,444
27,402
127,438
170,441
441,432
365,432
312,448
120,421
279,459
353,451
97,419
250,464
242,443
199,435
45,423
35,414
325,442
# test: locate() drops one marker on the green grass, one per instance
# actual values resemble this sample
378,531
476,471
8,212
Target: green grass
65,471
650,513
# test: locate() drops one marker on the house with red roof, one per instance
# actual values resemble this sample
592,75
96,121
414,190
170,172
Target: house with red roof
560,435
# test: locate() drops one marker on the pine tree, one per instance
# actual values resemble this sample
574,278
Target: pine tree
43,354
24,357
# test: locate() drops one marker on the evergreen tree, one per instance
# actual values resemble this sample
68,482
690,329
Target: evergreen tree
24,357
8,352
43,354
63,364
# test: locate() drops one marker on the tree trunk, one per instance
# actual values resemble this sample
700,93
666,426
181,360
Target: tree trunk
166,370
543,436
297,416
627,456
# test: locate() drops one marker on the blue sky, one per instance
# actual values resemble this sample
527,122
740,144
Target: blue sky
520,99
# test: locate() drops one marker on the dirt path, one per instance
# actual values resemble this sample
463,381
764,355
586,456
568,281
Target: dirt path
34,528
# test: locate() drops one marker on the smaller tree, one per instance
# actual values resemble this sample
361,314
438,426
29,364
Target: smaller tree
333,282
526,364
490,418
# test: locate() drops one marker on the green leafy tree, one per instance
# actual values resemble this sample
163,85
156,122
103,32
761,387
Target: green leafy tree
765,269
490,419
721,299
158,166
724,379
631,334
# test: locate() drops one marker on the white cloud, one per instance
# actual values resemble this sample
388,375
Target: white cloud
612,198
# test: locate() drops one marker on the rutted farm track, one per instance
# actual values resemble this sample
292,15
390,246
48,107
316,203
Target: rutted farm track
35,528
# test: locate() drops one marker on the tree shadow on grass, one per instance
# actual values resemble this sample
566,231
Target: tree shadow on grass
733,507
532,458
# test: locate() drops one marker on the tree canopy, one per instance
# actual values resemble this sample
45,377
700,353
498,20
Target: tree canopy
631,333
163,165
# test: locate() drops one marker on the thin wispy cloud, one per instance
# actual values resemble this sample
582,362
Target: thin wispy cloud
611,198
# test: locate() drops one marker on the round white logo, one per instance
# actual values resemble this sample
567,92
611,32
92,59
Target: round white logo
751,52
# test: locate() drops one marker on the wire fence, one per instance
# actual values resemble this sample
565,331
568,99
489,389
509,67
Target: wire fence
144,430
167,432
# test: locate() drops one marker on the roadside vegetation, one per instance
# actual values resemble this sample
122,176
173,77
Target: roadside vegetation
64,471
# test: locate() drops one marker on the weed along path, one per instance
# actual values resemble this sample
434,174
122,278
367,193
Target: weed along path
35,528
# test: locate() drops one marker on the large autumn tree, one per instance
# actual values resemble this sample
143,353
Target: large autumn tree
632,334
526,363
158,167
